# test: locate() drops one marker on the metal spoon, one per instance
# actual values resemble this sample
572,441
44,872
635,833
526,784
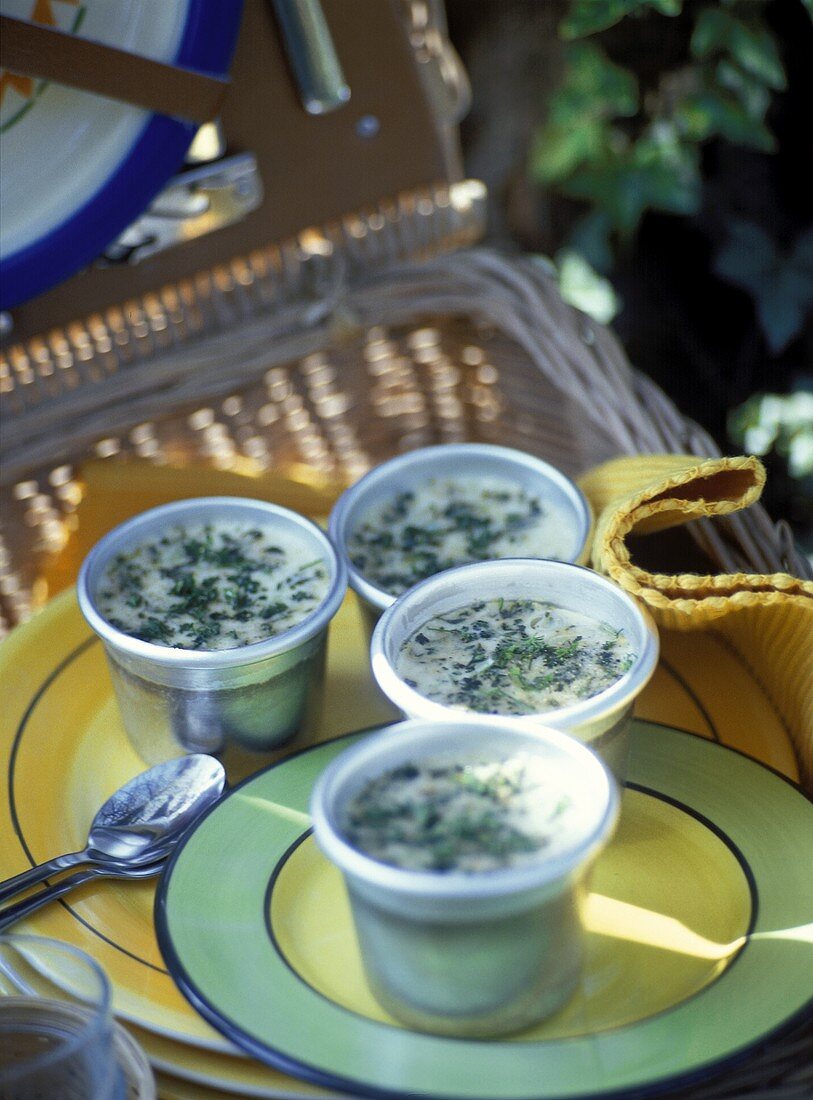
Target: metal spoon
23,908
141,822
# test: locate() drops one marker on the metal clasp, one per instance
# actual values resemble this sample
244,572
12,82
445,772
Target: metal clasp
192,204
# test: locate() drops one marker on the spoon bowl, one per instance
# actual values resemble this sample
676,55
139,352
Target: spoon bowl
141,822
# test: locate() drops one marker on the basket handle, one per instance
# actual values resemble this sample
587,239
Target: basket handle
47,54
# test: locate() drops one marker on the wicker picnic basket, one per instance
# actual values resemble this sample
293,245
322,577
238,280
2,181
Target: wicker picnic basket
294,358
377,333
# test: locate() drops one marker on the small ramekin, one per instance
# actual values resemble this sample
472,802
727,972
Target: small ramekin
447,460
465,954
601,721
256,697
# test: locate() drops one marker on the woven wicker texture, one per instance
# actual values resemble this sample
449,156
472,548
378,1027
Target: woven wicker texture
321,366
303,364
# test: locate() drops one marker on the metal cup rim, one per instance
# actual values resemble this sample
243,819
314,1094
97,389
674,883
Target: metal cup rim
410,464
465,578
126,534
409,736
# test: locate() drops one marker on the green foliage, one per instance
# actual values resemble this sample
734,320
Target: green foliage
784,423
730,105
748,43
779,281
656,172
751,92
590,16
593,92
623,153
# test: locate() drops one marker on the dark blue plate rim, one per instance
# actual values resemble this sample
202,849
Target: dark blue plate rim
207,44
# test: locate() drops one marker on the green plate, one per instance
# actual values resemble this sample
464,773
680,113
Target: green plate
700,938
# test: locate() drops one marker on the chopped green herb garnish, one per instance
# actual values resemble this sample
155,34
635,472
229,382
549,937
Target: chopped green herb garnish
210,587
513,657
450,816
452,521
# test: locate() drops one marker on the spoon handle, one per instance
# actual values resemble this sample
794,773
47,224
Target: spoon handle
24,908
33,875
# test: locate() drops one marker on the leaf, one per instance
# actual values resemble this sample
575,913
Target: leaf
727,103
756,50
750,43
802,254
651,174
559,149
589,16
582,286
781,283
747,257
593,91
711,113
590,237
800,454
782,306
594,83
711,32
751,93
783,422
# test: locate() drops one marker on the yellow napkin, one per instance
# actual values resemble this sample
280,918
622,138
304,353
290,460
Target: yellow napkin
767,620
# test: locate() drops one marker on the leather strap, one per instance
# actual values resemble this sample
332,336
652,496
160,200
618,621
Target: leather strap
34,50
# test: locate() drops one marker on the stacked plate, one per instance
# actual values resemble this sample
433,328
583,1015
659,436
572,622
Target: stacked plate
699,914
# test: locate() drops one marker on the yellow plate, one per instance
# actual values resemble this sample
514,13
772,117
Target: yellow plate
668,911
63,751
195,1074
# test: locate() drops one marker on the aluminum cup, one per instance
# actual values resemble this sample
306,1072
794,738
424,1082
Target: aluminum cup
255,697
451,460
469,954
601,721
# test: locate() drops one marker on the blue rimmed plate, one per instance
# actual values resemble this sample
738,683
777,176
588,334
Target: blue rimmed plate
75,168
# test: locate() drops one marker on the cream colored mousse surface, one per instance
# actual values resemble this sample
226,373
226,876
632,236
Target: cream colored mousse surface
470,815
446,521
513,657
213,586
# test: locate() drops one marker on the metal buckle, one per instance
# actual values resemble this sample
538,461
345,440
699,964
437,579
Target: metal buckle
194,203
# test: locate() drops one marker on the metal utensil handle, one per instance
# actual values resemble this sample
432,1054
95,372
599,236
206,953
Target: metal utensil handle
23,908
30,905
13,886
312,55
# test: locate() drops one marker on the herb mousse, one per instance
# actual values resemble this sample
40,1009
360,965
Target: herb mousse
513,657
212,586
453,521
445,815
